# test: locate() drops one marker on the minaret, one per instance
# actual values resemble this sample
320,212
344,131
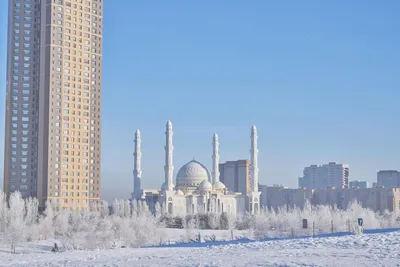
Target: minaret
254,159
137,168
169,167
215,159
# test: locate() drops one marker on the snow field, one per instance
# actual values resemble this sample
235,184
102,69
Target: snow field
364,250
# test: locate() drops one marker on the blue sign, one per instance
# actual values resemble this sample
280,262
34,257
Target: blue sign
360,222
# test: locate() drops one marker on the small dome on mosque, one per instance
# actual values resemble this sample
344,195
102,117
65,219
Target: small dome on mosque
219,186
179,193
205,186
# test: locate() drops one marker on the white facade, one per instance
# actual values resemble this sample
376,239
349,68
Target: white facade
324,176
197,190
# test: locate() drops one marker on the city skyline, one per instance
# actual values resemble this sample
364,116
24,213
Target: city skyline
319,89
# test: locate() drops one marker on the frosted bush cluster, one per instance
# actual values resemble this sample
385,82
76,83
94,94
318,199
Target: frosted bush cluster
128,225
132,224
320,219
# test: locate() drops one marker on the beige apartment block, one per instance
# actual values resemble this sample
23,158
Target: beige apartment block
378,199
65,101
236,175
287,197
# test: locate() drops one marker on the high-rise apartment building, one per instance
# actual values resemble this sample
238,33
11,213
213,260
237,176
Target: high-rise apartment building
235,175
388,179
324,176
358,184
22,97
53,102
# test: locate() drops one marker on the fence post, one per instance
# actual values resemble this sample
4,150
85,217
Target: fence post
348,225
292,233
313,229
232,234
332,226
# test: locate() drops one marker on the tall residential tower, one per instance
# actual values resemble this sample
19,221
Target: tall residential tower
325,176
53,101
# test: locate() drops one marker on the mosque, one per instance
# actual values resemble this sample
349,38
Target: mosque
196,189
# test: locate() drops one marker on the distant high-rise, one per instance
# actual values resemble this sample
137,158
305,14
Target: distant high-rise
236,175
388,179
358,184
53,101
324,176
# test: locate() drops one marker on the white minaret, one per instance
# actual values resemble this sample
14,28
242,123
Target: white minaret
254,159
215,159
169,167
137,168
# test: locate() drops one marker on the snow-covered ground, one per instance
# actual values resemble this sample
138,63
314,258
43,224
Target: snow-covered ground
351,250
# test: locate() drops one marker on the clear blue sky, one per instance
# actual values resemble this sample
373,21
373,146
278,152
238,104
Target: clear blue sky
320,79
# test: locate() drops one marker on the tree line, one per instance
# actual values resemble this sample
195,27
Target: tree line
133,224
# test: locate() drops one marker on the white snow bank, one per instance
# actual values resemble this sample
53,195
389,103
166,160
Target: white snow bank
365,250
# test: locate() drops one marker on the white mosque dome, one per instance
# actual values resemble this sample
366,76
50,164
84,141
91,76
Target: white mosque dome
219,186
191,175
205,186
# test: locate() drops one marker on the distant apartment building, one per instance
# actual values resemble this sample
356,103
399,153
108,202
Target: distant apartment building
388,179
236,175
265,190
287,197
263,198
358,184
325,176
378,199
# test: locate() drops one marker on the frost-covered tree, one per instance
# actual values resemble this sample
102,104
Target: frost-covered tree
31,219
145,225
213,220
46,226
103,209
15,221
190,224
3,213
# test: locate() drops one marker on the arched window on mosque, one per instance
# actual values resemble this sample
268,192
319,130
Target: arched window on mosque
170,208
255,207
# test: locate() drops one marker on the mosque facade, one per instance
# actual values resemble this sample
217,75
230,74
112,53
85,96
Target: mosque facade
196,189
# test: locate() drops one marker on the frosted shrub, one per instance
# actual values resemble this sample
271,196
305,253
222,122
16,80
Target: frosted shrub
191,225
15,221
46,225
288,221
213,220
145,226
3,214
